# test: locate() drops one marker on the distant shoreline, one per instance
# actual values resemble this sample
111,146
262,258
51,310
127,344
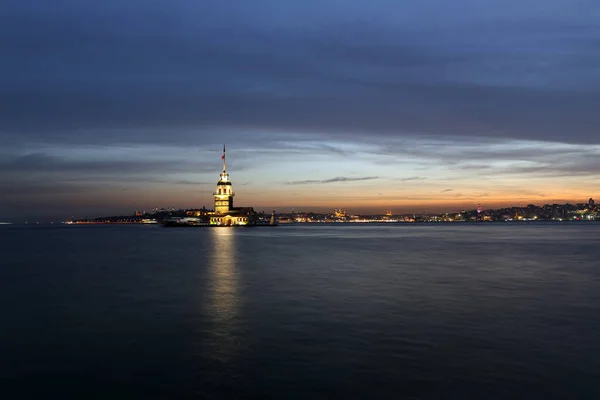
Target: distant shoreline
515,222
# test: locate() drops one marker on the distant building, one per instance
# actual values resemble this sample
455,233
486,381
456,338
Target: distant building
197,213
479,215
225,213
591,203
339,213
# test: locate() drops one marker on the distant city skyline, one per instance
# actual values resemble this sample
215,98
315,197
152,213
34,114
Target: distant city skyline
363,105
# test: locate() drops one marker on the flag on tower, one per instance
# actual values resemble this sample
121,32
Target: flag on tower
223,156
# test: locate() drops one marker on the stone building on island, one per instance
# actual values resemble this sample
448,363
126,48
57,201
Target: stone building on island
225,213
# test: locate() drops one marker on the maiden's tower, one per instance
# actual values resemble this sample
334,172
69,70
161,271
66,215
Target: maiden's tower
225,213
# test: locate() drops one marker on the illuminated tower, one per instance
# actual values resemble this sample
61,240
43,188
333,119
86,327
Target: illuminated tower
224,193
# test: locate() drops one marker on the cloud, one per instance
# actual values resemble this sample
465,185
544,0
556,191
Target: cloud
156,68
578,166
21,190
41,162
333,180
446,190
192,183
412,178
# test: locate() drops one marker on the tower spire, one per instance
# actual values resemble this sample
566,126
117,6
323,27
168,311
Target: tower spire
224,162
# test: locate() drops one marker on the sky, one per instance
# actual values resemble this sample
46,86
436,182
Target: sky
367,105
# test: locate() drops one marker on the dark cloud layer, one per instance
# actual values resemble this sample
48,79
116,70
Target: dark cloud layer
39,162
503,72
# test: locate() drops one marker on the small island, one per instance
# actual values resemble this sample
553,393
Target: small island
224,213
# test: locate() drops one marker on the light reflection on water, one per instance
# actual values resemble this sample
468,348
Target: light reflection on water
223,305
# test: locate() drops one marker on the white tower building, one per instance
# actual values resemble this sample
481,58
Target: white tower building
225,213
224,193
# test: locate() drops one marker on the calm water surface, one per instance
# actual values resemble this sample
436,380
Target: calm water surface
302,311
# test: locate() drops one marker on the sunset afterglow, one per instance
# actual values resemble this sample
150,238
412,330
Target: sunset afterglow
368,106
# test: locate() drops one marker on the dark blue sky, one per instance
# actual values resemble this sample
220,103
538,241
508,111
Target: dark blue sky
114,105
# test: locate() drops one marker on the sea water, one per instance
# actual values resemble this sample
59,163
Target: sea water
301,311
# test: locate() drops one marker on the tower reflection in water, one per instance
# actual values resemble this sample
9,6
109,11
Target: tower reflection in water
223,302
